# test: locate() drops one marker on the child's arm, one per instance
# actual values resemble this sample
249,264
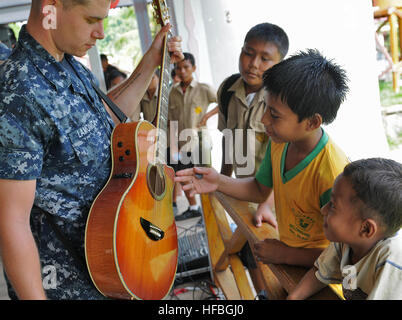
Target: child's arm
264,214
307,286
246,189
275,251
208,115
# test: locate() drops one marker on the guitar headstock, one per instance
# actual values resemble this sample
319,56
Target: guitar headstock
161,12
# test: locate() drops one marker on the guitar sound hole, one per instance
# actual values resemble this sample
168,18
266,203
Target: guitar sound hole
156,181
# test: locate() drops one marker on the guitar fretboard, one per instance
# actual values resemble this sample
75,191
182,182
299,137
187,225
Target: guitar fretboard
163,105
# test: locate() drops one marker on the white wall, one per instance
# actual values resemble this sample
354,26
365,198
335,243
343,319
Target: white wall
340,29
191,28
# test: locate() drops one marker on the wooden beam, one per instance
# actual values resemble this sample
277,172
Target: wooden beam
394,43
227,283
243,285
232,246
286,276
215,242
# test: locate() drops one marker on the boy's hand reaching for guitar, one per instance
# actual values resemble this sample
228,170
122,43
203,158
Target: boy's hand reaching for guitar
196,184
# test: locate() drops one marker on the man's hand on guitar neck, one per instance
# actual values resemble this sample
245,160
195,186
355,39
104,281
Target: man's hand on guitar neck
173,46
128,94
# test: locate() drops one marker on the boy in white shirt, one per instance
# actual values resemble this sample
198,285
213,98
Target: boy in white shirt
362,221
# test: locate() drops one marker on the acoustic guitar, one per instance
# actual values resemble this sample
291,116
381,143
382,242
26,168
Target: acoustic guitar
131,238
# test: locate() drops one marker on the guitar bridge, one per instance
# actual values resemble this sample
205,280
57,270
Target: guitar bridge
152,231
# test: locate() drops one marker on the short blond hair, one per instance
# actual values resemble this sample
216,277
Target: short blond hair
72,3
66,3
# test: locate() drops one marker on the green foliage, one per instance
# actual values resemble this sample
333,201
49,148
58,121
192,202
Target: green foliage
121,43
387,96
16,27
395,142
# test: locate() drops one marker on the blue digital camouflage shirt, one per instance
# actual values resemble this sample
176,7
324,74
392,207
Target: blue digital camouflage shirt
54,129
4,51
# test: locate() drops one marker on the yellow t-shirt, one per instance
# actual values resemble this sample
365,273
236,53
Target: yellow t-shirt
302,191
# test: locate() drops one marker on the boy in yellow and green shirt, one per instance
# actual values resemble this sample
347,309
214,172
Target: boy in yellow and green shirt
301,162
309,183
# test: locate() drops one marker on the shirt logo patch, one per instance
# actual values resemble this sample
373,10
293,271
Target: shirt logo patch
198,110
303,222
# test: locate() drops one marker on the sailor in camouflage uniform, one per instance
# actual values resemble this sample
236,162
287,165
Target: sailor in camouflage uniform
55,151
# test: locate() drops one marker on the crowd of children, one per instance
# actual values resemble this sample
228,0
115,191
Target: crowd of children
337,217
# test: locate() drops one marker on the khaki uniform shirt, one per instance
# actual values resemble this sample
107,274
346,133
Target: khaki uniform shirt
376,276
188,109
147,106
243,116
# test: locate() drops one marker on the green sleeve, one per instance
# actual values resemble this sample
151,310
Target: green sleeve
324,198
264,173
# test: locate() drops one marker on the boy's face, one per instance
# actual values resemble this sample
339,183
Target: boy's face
342,221
184,69
281,123
255,58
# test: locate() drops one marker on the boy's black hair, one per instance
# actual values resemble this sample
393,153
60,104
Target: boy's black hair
378,184
190,57
269,32
308,83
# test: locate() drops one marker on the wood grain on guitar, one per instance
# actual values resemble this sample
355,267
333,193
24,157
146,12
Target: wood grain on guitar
131,238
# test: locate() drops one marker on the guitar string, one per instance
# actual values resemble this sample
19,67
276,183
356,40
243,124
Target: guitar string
160,159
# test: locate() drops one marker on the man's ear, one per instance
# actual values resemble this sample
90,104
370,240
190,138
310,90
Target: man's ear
314,122
50,2
369,228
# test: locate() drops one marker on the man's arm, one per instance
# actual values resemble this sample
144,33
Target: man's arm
208,115
18,249
129,93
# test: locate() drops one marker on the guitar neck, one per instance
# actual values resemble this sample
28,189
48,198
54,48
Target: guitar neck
163,105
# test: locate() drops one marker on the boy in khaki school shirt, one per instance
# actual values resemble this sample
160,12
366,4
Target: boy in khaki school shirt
188,103
148,103
264,46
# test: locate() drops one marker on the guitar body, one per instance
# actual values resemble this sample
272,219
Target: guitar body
131,239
